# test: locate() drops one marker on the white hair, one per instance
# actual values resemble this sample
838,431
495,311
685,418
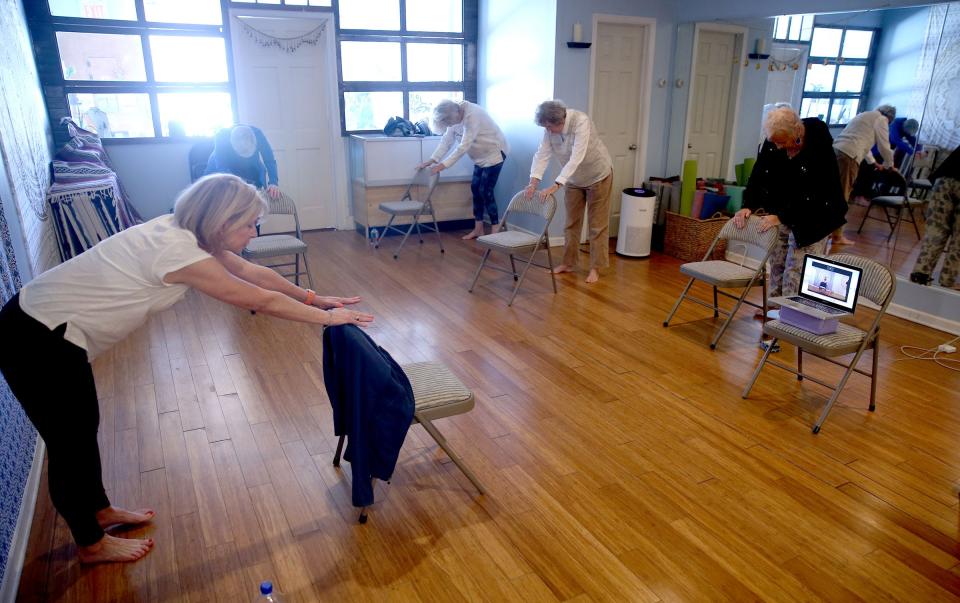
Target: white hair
445,114
550,113
783,121
215,203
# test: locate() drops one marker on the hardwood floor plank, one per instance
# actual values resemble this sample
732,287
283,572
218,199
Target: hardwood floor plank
211,511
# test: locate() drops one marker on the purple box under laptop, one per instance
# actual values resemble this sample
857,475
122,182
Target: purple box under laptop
818,326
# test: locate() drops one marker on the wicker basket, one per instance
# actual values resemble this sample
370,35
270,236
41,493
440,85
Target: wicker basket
688,238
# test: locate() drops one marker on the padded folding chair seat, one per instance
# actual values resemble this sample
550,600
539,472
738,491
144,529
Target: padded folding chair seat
921,183
437,393
273,245
846,340
402,208
508,239
724,274
719,273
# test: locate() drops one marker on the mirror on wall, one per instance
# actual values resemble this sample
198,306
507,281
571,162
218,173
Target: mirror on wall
835,66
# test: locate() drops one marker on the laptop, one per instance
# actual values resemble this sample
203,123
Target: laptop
828,289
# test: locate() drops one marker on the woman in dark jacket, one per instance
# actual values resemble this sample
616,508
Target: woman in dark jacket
797,183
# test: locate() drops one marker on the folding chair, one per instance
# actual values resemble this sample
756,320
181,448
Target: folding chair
197,158
515,242
269,246
423,180
437,394
878,285
730,275
890,192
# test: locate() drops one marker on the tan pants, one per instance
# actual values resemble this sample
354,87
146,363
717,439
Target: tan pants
849,168
597,199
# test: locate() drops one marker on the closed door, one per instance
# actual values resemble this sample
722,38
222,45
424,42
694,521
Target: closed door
785,85
616,102
707,129
284,94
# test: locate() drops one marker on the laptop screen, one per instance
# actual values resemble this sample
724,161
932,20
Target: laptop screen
830,282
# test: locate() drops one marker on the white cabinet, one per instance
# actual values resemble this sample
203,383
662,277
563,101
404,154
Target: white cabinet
381,167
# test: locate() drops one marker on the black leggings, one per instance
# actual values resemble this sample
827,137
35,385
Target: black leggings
53,381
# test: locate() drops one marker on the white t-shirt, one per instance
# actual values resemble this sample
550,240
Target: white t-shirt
578,149
109,290
477,135
865,130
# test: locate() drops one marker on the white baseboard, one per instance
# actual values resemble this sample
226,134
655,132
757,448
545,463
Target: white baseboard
21,535
921,317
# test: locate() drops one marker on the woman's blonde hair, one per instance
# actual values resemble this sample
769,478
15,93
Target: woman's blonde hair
214,204
783,121
550,113
446,114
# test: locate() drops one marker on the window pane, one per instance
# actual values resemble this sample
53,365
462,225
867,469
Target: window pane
806,29
320,3
194,113
422,103
843,110
814,107
850,78
795,22
370,14
188,59
819,78
206,12
780,27
101,57
856,44
826,42
370,61
94,9
435,15
113,115
371,110
434,62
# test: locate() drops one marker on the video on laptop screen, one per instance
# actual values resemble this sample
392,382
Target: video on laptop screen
832,283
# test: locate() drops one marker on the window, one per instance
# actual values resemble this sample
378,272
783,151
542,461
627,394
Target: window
139,68
837,73
792,28
401,57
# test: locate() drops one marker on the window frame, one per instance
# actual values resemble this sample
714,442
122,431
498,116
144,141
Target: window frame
798,40
832,95
44,25
466,38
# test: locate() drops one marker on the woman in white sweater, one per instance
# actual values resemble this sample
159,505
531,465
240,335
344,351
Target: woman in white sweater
65,317
467,128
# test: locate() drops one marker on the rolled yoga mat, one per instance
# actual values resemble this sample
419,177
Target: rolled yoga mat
697,203
748,164
689,186
738,170
736,197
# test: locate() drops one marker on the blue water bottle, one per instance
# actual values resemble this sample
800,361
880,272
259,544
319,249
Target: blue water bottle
374,235
267,594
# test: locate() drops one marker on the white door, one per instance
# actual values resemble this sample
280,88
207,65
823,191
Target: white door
286,95
786,86
617,94
709,112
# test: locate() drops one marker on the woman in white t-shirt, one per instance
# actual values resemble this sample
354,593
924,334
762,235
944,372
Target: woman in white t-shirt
65,317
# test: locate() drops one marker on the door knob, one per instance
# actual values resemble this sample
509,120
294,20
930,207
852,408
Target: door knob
632,147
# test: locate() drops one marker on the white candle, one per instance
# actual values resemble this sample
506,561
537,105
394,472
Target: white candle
577,32
760,44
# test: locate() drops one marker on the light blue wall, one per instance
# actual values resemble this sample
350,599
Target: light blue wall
738,11
516,71
898,56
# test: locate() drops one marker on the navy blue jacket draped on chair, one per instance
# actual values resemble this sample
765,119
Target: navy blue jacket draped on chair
372,405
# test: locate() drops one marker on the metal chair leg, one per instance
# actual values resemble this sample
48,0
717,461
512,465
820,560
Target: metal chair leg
913,220
383,233
756,373
677,303
866,214
716,309
836,392
435,434
523,274
486,254
895,230
799,364
873,374
306,270
396,254
553,277
436,228
336,457
513,267
296,270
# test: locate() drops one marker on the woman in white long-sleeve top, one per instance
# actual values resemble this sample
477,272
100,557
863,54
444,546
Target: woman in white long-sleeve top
469,129
572,139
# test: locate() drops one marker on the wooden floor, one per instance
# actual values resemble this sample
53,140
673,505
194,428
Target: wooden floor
621,462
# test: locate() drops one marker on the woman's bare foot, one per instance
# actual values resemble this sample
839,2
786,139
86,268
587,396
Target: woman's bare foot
111,549
594,276
496,228
112,516
473,234
841,240
561,269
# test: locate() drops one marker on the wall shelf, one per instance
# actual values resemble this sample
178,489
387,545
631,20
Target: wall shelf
578,44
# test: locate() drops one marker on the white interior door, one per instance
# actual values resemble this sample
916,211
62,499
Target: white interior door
616,102
709,112
787,86
286,95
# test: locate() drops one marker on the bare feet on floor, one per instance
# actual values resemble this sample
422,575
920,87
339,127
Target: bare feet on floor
561,269
496,228
594,276
473,234
841,241
112,516
111,549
